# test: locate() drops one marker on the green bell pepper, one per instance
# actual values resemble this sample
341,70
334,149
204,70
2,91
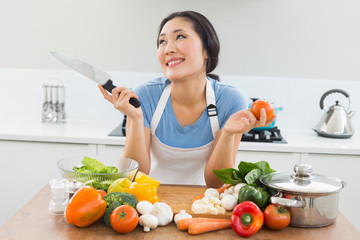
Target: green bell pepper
258,195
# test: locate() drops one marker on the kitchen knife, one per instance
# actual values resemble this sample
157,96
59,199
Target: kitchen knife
91,72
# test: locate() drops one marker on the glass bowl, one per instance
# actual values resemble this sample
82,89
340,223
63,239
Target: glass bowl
127,168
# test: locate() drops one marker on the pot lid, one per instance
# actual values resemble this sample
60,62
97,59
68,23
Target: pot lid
302,181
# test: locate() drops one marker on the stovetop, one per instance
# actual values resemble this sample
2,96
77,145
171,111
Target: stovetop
268,136
119,131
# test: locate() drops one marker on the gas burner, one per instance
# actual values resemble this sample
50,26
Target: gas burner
270,136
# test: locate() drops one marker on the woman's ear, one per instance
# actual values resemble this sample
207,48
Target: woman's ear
205,54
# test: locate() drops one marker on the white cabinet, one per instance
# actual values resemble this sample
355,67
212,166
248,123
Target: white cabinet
26,167
279,161
345,167
116,150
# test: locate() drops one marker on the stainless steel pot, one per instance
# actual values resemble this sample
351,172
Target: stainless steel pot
311,199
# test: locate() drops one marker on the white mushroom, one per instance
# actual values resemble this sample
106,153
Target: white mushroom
163,212
238,187
230,190
144,207
229,202
148,221
181,215
222,195
211,192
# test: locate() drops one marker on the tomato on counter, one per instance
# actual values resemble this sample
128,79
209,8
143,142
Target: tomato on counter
276,217
124,219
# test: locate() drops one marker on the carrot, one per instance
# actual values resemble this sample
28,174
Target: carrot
198,197
183,224
203,227
220,190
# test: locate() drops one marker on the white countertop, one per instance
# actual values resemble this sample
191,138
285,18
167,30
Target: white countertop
85,132
96,132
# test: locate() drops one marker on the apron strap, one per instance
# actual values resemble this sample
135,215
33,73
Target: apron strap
210,102
211,108
160,108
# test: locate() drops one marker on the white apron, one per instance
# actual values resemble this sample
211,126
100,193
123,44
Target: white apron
173,165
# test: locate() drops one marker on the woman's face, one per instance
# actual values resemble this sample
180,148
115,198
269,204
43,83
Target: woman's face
180,53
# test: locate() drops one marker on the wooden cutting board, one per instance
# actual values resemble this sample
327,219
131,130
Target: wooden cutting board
179,197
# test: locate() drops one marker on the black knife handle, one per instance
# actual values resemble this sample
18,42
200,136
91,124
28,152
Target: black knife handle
109,86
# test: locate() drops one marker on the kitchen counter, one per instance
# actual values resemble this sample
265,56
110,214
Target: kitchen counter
96,132
47,143
35,221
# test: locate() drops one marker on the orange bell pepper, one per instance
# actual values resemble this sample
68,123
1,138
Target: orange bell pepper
144,192
85,207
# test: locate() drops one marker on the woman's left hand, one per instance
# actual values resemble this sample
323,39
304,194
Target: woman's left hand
243,121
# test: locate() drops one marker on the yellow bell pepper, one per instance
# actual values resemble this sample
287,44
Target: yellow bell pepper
144,178
119,185
144,192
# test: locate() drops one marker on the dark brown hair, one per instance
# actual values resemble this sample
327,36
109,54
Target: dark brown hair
207,33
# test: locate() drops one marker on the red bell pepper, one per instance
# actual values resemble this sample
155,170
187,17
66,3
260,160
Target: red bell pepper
247,219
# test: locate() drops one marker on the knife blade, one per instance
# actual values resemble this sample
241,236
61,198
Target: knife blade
91,72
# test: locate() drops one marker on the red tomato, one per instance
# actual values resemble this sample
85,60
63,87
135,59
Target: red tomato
258,105
276,217
124,219
102,192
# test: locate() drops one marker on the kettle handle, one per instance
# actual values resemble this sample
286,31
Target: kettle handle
329,92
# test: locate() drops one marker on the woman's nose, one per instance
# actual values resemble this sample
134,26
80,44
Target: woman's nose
170,47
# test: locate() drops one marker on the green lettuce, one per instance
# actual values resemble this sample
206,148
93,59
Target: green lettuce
91,165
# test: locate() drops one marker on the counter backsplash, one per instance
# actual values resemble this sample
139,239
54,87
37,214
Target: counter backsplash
21,95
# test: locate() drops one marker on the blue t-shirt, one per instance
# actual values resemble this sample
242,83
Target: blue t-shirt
229,100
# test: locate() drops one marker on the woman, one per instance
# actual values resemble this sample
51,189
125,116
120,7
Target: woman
188,123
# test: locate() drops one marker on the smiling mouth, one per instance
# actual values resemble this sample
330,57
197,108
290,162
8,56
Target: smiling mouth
174,62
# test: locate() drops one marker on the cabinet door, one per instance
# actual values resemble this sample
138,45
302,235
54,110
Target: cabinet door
281,162
116,150
26,167
345,167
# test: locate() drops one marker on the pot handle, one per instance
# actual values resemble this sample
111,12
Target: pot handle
287,202
332,91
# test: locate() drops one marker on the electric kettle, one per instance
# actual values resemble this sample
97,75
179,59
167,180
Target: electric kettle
336,122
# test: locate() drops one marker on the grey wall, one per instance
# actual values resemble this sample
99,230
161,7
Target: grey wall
279,38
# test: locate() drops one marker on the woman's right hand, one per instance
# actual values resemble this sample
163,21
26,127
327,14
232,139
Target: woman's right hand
120,97
243,121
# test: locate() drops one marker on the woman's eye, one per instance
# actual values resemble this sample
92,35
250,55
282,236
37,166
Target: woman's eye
180,36
161,42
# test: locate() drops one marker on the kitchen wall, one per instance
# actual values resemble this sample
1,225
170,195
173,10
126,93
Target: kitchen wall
278,38
21,95
289,52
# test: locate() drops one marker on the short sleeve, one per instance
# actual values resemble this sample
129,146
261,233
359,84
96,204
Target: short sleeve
230,100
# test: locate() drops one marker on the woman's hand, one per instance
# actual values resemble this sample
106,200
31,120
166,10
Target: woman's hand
120,97
243,121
